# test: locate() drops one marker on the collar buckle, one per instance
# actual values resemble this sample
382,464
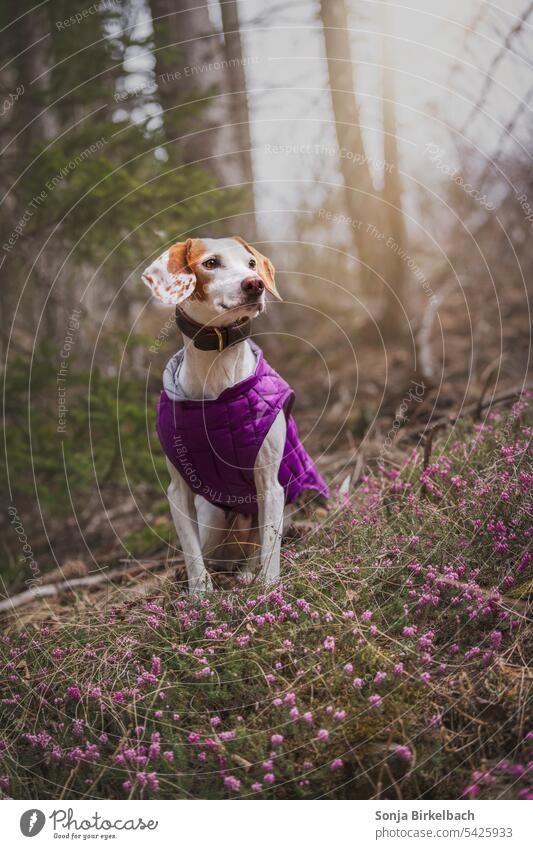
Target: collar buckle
208,338
220,339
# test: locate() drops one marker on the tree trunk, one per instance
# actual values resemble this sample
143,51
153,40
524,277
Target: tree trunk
359,191
190,68
393,320
239,107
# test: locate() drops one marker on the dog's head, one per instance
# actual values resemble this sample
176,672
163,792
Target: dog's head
218,281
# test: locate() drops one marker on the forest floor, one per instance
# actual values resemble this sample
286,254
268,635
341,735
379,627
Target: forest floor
390,662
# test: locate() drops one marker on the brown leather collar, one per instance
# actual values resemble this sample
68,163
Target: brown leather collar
213,338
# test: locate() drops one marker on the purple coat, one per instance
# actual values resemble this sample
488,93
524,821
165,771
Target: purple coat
214,443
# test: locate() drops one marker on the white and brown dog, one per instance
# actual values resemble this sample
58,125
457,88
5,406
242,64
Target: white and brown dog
224,420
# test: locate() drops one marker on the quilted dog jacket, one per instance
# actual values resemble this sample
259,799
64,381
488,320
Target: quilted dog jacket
214,443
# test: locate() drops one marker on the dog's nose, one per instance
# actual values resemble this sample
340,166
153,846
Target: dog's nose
252,286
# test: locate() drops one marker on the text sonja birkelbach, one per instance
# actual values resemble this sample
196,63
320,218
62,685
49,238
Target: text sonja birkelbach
423,815
66,824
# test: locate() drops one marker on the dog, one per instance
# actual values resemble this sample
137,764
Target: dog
224,416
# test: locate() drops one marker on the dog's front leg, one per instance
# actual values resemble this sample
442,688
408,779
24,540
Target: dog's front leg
271,498
181,501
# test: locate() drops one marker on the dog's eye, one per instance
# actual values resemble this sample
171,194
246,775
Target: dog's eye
252,263
212,262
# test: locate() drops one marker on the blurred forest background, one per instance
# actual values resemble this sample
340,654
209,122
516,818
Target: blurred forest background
379,153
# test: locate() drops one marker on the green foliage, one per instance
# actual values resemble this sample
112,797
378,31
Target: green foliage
109,433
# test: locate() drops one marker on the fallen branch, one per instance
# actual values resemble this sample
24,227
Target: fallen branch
49,590
476,407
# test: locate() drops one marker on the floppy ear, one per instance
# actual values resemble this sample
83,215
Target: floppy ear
265,269
169,276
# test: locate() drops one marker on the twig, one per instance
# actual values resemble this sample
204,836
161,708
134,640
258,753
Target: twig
486,376
470,408
48,590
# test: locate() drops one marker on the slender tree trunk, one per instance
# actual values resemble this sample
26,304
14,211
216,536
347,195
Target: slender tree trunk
394,265
239,106
190,67
359,190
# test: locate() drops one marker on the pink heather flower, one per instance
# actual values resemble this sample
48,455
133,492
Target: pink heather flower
269,778
338,763
495,639
168,756
277,702
329,644
256,787
232,783
398,668
215,721
156,666
339,714
471,791
404,752
366,616
193,737
74,693
307,716
290,699
425,677
268,764
227,735
374,700
348,668
409,630
357,683
276,739
175,717
373,631
323,734
118,697
158,714
294,713
379,677
204,673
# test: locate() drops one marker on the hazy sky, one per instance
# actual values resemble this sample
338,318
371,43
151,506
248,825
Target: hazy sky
439,73
290,103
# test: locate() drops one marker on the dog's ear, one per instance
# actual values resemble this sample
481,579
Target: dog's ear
169,276
265,269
